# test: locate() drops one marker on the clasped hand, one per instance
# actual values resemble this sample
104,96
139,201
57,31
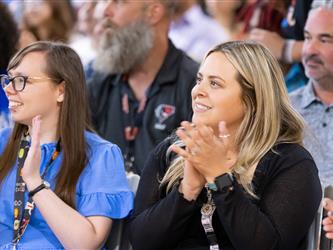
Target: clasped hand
206,155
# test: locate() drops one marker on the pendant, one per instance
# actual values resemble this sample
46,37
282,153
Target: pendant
207,209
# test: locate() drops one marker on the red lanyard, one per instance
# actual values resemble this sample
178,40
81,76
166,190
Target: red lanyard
22,214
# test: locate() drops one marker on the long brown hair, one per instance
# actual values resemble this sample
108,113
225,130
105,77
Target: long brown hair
64,65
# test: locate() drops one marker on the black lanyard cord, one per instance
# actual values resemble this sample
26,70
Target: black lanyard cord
22,214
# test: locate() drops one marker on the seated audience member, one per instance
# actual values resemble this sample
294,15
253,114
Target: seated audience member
85,37
286,45
286,41
193,31
8,40
61,184
49,20
139,92
315,100
237,177
226,12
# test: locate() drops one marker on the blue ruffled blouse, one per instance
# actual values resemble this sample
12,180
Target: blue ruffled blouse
102,190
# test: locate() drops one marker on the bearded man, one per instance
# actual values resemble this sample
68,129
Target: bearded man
141,88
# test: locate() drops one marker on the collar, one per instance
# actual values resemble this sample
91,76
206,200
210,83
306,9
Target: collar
308,96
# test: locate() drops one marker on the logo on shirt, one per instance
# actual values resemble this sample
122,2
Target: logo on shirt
163,112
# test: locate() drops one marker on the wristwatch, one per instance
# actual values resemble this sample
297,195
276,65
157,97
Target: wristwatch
222,183
44,184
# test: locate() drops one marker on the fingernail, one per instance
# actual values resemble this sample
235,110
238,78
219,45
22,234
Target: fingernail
330,213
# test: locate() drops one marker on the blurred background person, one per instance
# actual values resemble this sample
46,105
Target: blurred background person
263,14
193,31
9,36
226,12
315,100
48,20
87,32
81,40
140,90
287,44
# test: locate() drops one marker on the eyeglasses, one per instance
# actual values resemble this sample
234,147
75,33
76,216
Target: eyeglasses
19,82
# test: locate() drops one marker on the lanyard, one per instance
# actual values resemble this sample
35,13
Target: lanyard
132,120
22,214
207,211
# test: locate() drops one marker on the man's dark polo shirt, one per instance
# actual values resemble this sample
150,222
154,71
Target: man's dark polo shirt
168,103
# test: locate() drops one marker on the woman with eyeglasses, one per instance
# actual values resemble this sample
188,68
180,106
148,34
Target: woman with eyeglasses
237,176
60,184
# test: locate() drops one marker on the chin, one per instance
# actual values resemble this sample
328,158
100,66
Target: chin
197,120
21,121
200,121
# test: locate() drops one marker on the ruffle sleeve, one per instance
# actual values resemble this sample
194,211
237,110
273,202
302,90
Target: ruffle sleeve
114,206
103,189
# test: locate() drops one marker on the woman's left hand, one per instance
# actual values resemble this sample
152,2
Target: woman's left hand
30,170
209,154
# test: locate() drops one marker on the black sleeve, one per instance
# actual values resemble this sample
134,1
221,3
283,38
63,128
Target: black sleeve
159,220
282,216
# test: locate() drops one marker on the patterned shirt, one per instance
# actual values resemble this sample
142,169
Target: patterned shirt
319,131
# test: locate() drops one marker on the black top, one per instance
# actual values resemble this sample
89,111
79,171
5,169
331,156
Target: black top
168,103
289,192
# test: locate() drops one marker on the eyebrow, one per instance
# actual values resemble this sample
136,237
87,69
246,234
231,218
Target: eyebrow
321,35
213,77
10,72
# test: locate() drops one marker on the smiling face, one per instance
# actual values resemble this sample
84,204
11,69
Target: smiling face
217,95
39,97
317,56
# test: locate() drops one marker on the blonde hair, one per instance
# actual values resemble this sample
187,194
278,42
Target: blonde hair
269,118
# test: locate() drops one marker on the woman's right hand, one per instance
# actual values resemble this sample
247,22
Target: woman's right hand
30,171
192,182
